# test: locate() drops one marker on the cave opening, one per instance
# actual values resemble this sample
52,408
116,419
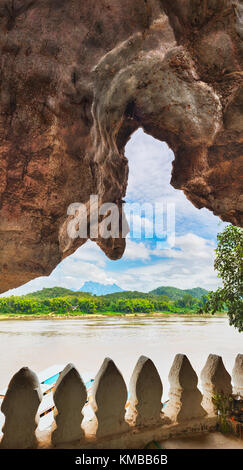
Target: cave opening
150,165
149,193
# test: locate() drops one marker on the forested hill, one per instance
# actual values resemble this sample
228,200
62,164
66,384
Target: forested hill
174,293
52,292
96,288
171,293
59,300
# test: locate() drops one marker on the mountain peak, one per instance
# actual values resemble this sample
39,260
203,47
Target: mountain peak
96,288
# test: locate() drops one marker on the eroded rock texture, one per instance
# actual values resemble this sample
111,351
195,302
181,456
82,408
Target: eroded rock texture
77,79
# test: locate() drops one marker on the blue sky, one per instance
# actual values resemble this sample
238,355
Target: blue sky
145,265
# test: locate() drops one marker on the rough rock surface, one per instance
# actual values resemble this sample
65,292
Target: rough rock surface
77,79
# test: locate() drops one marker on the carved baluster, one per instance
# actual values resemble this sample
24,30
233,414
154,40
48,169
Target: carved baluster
215,380
69,397
145,391
20,406
109,396
237,375
184,396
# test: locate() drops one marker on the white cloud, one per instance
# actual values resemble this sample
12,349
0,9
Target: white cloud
140,223
144,267
189,264
135,251
189,246
150,166
90,251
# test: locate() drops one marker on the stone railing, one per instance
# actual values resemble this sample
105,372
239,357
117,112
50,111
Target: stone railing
118,421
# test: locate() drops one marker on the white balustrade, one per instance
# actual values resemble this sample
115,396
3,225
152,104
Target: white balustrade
20,406
145,394
109,396
69,397
237,375
186,411
184,397
215,380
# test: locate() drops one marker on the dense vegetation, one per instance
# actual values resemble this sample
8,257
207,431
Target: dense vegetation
229,265
58,300
49,293
174,293
229,298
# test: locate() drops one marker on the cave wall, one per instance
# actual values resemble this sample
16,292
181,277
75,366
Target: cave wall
77,79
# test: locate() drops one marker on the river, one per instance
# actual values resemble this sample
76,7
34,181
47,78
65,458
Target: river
39,344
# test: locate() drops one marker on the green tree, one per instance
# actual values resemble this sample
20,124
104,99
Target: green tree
187,301
60,304
229,265
87,305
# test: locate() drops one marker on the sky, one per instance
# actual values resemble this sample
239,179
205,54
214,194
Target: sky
147,262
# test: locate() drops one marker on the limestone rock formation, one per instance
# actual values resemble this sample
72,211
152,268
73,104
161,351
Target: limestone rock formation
77,79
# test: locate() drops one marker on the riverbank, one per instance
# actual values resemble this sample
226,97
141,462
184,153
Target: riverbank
55,302
62,316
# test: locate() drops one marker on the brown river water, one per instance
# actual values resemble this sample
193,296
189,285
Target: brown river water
39,344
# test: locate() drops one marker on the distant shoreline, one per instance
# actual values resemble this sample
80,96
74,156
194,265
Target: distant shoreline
107,315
